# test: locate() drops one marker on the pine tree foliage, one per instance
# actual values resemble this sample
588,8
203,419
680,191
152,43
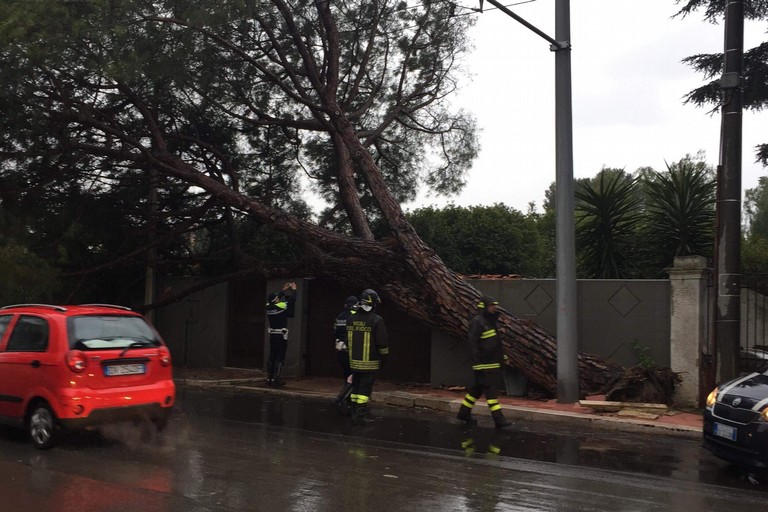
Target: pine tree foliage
755,73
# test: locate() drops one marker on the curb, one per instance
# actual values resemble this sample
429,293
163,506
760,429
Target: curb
512,412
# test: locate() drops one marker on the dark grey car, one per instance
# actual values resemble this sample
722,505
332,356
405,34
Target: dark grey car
736,420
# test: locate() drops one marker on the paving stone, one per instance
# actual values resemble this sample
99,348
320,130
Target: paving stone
437,404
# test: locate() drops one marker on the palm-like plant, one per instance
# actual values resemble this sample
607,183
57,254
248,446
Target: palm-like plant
680,216
608,211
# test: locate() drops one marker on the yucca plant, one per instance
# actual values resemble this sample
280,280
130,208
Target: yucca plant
680,217
608,211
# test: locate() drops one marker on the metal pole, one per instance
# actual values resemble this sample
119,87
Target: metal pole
567,325
728,237
553,41
565,251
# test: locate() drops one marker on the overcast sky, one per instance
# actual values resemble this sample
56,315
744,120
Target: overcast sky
628,85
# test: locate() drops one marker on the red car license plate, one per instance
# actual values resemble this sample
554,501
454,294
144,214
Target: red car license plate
114,370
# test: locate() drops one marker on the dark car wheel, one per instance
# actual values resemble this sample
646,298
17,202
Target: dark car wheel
42,426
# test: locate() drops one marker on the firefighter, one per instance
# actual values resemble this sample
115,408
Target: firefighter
280,307
368,345
487,355
342,354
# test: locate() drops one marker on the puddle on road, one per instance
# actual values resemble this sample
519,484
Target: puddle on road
658,455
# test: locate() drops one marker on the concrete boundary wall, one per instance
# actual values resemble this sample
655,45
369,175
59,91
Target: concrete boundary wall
613,316
664,320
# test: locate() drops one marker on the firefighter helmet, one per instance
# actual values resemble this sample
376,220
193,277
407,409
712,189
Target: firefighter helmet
486,301
369,299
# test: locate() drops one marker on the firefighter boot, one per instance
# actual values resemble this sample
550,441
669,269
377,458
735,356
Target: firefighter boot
465,416
359,417
342,396
500,421
277,381
342,401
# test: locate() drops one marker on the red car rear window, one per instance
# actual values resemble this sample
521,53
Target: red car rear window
100,332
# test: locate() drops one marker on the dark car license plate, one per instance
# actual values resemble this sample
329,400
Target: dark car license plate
724,431
115,370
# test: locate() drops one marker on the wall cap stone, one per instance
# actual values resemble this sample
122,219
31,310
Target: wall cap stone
689,263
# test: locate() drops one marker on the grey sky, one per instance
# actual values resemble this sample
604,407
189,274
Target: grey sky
628,85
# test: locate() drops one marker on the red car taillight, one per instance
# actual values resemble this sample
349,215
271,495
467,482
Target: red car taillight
165,356
76,361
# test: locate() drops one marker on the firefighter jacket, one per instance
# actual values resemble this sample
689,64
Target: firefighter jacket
340,328
367,340
279,311
484,342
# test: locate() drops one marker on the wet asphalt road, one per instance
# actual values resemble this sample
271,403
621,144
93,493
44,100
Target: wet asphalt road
227,451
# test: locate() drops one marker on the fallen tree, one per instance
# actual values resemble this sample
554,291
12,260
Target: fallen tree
358,89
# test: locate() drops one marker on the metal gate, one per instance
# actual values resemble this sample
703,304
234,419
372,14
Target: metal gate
753,354
246,323
410,339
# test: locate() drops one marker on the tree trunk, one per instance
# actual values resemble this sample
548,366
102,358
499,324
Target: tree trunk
452,300
407,271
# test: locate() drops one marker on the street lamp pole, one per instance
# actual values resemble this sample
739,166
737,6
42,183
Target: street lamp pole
565,250
565,245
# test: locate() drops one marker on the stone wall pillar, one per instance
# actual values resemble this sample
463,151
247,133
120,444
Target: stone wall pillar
688,318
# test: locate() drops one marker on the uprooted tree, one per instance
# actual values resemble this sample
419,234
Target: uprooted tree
227,102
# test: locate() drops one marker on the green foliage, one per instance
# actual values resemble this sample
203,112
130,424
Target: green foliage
102,91
713,9
755,66
483,239
756,210
754,246
642,354
633,226
754,255
680,210
608,210
25,277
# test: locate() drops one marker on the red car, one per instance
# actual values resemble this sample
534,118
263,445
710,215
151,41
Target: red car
67,367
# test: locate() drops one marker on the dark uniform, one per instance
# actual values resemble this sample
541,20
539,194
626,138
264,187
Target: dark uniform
342,354
280,307
368,343
487,356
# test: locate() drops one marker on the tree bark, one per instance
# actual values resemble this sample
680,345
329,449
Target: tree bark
408,272
450,298
348,190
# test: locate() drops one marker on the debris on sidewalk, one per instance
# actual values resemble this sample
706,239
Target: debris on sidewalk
638,417
618,407
636,413
642,384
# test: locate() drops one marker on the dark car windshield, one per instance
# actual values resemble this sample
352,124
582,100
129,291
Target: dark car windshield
99,332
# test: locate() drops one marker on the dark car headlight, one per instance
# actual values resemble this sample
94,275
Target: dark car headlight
712,398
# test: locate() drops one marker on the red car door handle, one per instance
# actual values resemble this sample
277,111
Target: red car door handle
35,363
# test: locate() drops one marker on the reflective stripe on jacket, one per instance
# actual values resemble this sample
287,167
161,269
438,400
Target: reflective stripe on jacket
484,343
367,341
279,312
340,324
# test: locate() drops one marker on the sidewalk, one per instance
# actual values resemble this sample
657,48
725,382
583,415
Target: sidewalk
673,423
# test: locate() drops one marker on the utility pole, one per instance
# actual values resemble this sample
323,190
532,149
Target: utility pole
728,213
565,245
565,250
